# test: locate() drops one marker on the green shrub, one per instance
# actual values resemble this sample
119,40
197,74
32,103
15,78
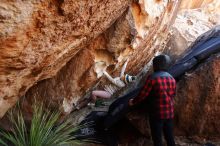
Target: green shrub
43,130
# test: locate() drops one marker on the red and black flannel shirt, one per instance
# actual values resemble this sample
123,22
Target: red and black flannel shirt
163,89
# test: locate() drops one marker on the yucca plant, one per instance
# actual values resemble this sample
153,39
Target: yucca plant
43,130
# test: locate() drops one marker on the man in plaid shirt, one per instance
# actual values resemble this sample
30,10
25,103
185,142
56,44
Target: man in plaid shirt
159,91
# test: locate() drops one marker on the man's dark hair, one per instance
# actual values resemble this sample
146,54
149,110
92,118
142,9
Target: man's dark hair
161,63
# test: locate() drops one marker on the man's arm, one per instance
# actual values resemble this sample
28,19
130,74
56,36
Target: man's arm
145,91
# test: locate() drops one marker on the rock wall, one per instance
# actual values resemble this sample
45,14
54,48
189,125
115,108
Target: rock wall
194,4
40,37
190,23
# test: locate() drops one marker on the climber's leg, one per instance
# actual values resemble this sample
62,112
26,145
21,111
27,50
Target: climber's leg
100,94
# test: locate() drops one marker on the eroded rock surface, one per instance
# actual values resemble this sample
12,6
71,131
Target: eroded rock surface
198,100
191,23
40,37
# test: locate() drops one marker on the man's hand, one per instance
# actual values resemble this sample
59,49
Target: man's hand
130,102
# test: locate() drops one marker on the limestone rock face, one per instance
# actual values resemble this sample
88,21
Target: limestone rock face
39,37
190,23
194,4
72,42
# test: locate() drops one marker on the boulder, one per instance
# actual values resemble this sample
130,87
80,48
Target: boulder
198,99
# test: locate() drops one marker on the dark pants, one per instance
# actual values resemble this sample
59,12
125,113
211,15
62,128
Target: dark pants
165,125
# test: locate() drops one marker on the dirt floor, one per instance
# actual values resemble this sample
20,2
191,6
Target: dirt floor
180,141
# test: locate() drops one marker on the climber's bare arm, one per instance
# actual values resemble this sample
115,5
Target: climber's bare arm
109,77
123,68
